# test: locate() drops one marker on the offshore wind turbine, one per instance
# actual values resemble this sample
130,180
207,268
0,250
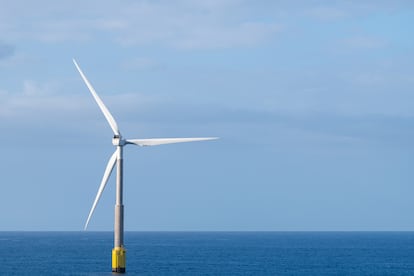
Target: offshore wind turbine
118,252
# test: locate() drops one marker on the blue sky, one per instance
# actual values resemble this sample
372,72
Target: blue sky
313,101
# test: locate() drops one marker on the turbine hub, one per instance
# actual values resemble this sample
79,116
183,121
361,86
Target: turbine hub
118,141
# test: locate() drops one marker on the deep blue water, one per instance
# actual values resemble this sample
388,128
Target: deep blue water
210,253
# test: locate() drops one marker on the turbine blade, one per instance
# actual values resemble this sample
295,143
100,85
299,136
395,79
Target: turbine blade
105,178
162,141
98,100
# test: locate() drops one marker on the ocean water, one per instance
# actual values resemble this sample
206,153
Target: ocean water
210,253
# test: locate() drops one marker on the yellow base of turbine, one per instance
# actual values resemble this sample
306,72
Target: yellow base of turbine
118,259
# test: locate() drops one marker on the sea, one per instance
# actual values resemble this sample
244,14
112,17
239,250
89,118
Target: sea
210,253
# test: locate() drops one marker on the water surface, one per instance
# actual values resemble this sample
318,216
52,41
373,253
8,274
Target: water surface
210,253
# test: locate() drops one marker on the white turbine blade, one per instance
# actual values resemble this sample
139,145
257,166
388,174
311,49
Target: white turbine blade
98,100
162,141
105,178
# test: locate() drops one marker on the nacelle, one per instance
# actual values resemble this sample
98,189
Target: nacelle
118,141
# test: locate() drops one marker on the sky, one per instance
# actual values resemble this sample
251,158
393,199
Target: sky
313,102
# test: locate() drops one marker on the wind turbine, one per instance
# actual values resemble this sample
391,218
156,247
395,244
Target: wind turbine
118,252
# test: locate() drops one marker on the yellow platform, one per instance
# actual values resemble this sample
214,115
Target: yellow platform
118,259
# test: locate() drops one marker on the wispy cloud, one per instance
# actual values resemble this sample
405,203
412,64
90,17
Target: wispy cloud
242,35
180,24
35,100
339,10
183,24
189,25
327,12
364,42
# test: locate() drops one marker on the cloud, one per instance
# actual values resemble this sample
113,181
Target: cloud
364,42
183,24
6,50
180,24
35,101
339,10
189,25
245,34
47,102
327,13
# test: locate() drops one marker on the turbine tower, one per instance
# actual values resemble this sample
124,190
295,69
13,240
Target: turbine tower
118,252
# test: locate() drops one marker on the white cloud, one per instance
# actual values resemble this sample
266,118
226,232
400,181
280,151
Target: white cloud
190,25
33,89
182,24
193,25
36,101
44,100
